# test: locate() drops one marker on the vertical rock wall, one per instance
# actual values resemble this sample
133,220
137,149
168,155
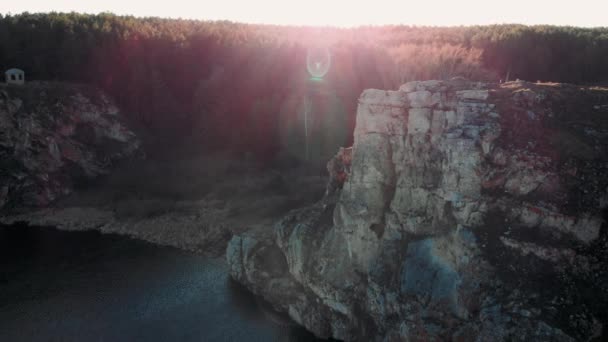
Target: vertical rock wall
469,212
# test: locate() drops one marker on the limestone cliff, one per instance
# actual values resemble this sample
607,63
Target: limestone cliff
54,135
466,212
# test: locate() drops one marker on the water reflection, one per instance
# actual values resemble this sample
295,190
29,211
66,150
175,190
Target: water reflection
84,286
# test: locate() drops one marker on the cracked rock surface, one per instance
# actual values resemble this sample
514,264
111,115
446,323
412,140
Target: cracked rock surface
464,211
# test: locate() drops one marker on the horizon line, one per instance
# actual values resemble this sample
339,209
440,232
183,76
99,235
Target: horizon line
297,25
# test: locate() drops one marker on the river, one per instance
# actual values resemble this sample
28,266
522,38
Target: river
85,286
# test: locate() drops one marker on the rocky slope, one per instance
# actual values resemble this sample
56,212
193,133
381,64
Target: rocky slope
194,203
54,136
57,139
464,212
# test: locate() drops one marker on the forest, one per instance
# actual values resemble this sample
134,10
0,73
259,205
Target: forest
225,86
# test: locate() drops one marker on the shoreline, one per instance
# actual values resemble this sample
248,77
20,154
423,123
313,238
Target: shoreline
185,232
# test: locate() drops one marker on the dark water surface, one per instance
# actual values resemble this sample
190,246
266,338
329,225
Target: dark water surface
84,286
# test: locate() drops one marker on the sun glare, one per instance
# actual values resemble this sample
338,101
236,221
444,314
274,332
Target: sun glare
318,62
342,13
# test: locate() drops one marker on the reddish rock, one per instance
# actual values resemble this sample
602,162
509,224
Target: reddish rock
41,146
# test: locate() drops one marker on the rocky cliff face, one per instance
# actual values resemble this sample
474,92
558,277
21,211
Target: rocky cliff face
53,136
464,212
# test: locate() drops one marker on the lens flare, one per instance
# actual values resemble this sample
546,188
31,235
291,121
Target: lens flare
318,61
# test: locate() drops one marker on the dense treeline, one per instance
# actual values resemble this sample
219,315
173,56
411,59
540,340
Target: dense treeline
242,86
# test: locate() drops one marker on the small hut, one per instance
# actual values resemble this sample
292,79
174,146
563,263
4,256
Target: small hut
15,76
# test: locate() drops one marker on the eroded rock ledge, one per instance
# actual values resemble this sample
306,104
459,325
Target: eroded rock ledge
465,212
53,136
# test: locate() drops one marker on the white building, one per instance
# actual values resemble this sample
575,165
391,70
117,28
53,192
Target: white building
15,76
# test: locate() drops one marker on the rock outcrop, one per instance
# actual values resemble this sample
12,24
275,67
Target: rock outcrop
54,136
465,212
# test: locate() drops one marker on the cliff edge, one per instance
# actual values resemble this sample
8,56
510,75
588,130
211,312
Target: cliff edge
464,211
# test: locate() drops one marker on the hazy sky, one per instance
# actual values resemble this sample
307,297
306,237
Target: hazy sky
342,12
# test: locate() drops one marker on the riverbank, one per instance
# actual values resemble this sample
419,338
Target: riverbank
194,203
